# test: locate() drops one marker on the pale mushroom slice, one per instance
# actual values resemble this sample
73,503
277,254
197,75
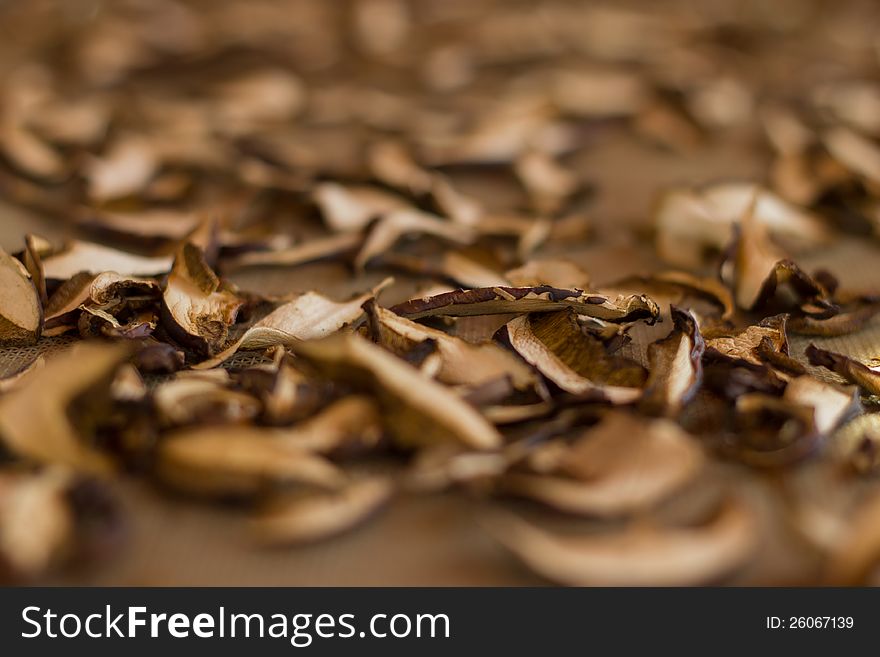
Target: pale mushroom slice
35,418
745,344
857,549
760,268
502,300
576,362
80,256
416,409
675,367
623,465
236,461
308,317
21,312
322,248
197,310
831,405
558,273
856,152
867,378
461,363
639,555
319,516
350,209
684,289
688,221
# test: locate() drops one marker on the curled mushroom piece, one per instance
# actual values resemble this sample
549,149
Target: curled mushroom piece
21,312
857,550
196,307
314,517
640,555
416,409
519,300
621,466
867,378
40,420
675,366
80,256
574,360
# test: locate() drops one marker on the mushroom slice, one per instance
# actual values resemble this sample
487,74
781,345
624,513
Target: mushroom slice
18,378
351,209
308,317
621,466
674,366
502,300
95,258
772,432
21,312
760,269
744,344
547,182
461,363
639,555
867,378
322,248
318,516
399,223
193,400
573,360
148,227
559,273
689,220
853,316
237,461
196,309
416,410
831,405
351,422
36,419
857,153
682,287
125,169
32,257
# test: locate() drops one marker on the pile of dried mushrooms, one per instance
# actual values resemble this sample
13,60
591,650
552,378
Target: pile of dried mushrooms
408,174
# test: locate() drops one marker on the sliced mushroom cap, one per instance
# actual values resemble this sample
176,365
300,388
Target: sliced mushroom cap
417,410
675,367
831,405
21,312
503,300
95,258
318,516
639,555
621,466
35,419
868,379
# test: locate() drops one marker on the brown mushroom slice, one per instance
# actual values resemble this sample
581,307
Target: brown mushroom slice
852,318
688,220
772,432
558,273
81,256
125,169
461,363
147,227
238,462
35,419
857,153
503,300
32,257
308,317
21,312
640,555
351,209
196,309
191,400
744,344
682,286
319,516
449,265
621,466
351,422
760,268
399,223
416,410
831,405
574,361
867,378
322,248
547,182
674,366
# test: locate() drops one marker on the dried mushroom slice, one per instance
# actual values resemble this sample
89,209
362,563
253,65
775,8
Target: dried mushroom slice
831,405
349,424
558,273
351,209
80,256
857,551
461,363
519,300
853,316
196,309
21,312
623,465
689,221
640,555
238,462
37,419
682,287
191,400
322,248
319,516
867,378
308,317
573,360
675,367
772,432
416,410
743,345
760,269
